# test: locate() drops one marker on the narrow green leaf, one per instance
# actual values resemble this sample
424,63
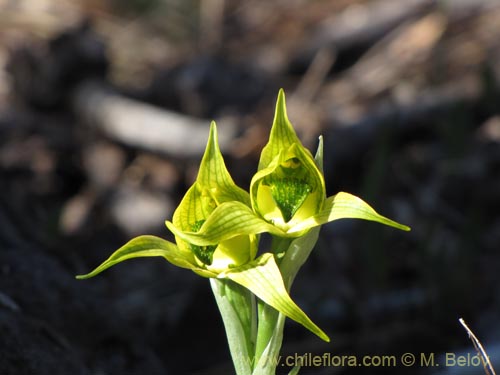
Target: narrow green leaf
318,158
296,255
263,278
345,206
147,246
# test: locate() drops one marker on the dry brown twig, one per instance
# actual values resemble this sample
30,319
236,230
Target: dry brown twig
488,368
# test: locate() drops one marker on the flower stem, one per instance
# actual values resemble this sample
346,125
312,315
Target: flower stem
268,327
291,255
237,307
268,318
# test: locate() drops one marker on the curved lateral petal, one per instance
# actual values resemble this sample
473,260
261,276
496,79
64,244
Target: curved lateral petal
228,220
263,278
146,246
345,206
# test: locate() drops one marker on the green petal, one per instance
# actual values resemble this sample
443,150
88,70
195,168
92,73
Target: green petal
190,210
279,191
263,278
148,246
214,176
345,206
282,134
229,220
213,186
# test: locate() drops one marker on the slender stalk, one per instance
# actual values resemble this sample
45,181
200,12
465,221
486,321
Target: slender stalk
270,322
267,315
237,307
267,319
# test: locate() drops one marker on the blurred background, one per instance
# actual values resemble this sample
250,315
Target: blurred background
104,113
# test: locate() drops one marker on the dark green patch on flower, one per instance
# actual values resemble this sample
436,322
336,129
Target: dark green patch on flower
203,253
289,194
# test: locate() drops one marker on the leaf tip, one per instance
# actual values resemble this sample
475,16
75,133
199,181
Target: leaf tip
212,138
318,157
82,277
406,228
213,128
281,105
170,226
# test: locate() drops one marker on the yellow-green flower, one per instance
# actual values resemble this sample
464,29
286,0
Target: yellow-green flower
217,224
213,186
230,258
287,194
289,187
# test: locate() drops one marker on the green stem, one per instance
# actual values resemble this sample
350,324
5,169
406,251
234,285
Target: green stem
267,316
237,307
291,255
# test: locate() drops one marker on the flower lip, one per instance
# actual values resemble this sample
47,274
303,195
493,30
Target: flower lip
202,253
228,254
291,188
289,194
289,185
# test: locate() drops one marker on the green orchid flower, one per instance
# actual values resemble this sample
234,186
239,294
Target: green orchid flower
217,227
213,186
287,194
232,258
288,187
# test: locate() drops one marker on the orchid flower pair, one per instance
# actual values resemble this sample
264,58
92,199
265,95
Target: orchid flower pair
217,227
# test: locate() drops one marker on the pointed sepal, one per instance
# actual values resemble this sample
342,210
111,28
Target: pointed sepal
263,278
345,206
149,246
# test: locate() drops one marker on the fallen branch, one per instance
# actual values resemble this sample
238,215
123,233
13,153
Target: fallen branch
145,126
361,24
387,61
